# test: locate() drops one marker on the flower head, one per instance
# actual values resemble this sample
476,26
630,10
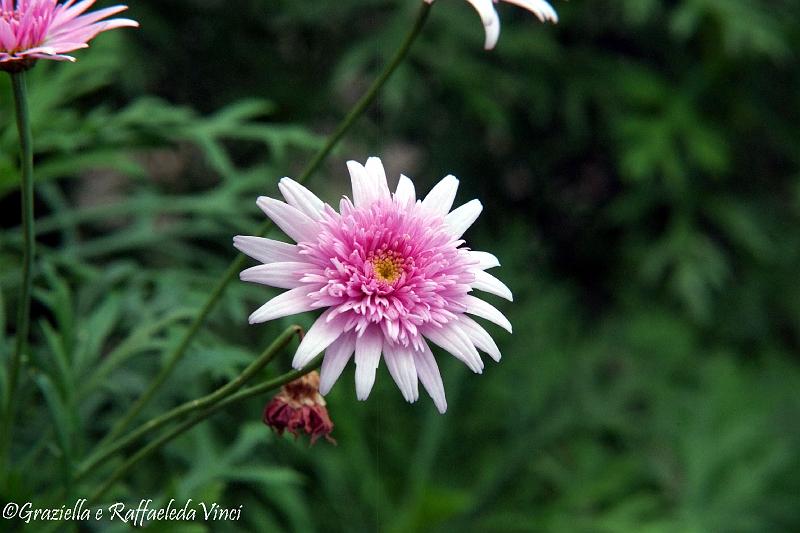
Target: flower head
491,21
47,29
300,407
391,272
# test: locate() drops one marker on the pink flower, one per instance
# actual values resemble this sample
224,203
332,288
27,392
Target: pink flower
491,22
391,273
46,29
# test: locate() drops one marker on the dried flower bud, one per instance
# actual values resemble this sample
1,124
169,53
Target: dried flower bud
300,407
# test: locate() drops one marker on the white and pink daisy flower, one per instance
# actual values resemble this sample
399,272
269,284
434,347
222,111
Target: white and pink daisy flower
392,274
47,29
491,21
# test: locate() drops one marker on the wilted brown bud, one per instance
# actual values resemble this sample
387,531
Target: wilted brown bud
300,407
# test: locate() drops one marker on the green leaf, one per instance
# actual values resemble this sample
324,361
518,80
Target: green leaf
63,419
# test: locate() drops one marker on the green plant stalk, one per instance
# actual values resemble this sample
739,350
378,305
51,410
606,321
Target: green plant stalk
201,403
230,274
244,394
28,251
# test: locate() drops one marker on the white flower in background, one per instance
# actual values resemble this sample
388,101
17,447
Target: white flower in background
491,22
392,274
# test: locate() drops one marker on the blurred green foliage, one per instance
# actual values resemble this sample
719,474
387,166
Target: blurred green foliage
639,167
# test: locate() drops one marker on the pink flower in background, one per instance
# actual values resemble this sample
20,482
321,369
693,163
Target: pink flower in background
47,29
391,272
491,22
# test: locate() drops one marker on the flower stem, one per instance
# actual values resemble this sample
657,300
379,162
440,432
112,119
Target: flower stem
230,274
201,403
366,100
28,250
244,394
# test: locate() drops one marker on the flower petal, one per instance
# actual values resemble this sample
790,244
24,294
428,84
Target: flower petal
485,259
368,355
440,199
68,11
336,357
452,339
285,304
267,250
488,311
285,275
319,336
491,22
405,192
400,362
301,198
8,38
479,337
540,8
377,174
488,283
459,220
364,193
293,222
428,372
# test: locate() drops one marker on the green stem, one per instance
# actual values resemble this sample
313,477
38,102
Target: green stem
237,265
195,405
372,93
28,251
249,392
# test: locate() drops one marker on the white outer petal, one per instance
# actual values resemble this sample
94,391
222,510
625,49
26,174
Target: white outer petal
485,259
301,198
428,372
488,283
377,175
267,250
368,355
359,182
459,220
319,336
491,22
283,275
364,191
336,357
293,222
400,362
479,337
486,310
452,339
285,304
440,199
405,192
540,8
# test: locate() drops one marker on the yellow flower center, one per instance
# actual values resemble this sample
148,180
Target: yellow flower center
388,266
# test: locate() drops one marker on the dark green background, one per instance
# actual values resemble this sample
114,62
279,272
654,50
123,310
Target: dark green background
638,164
